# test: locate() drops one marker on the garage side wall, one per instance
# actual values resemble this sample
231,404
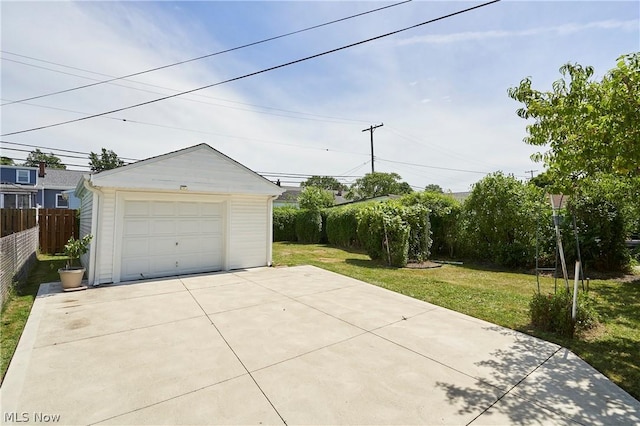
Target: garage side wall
248,231
106,231
86,214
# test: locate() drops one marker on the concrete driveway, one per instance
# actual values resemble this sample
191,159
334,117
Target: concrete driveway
288,345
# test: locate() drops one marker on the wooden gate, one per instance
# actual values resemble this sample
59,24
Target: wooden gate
56,227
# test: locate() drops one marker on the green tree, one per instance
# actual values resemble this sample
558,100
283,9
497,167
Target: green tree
314,198
590,127
325,182
432,187
6,161
107,160
36,157
500,221
377,184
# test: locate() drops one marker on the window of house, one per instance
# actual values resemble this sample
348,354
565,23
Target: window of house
22,176
23,201
62,202
9,201
16,201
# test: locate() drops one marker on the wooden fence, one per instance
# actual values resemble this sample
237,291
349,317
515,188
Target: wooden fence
16,220
56,227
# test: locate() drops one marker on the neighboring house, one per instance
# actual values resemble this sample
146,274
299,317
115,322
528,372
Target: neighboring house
56,189
289,198
189,211
18,187
30,187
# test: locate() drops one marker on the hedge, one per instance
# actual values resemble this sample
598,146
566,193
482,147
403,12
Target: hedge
309,226
284,223
342,226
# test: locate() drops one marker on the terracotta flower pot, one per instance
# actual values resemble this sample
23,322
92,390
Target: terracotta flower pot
72,277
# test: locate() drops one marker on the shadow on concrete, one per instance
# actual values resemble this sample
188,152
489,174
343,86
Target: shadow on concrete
562,384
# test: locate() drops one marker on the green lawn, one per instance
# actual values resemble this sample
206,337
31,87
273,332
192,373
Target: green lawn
18,306
501,298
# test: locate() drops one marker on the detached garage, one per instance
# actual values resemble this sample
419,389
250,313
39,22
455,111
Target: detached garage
189,211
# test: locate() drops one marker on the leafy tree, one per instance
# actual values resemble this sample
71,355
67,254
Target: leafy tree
500,221
325,182
377,184
590,127
314,198
432,187
36,157
107,160
6,161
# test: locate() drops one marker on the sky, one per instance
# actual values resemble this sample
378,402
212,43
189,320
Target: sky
440,90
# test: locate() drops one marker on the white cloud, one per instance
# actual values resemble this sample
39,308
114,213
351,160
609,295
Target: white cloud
565,29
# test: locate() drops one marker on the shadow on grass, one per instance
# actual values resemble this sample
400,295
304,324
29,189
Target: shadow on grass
44,270
369,264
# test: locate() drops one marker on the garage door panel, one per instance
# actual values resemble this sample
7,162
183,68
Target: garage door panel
211,209
163,226
163,208
189,226
135,247
133,227
162,246
213,226
137,208
152,229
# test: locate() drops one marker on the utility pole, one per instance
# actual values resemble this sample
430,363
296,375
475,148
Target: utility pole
530,171
371,129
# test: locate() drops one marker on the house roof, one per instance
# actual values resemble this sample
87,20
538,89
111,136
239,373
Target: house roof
199,168
290,194
59,179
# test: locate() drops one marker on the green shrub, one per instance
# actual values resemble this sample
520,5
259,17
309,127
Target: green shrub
309,226
500,219
313,198
342,226
443,218
284,223
385,231
552,312
601,233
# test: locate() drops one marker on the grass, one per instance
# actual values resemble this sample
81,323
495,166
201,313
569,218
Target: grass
500,297
18,305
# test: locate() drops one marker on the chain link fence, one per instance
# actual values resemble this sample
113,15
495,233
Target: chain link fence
17,254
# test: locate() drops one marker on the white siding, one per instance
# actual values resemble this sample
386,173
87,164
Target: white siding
106,232
199,169
86,212
248,230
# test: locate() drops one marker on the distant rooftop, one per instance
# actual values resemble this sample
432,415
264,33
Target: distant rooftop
60,179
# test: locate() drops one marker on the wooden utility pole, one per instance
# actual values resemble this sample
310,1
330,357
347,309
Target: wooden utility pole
531,171
371,129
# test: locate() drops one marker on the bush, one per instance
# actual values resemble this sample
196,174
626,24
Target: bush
443,218
601,233
309,226
394,232
500,220
553,313
284,223
313,198
342,224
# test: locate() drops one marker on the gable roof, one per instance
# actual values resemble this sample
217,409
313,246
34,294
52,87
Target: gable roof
59,179
198,168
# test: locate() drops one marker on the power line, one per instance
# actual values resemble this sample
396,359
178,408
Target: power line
434,167
264,70
208,55
323,118
56,149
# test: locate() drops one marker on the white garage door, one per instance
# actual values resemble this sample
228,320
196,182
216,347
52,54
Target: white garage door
165,238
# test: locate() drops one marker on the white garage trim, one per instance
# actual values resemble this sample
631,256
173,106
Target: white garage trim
123,197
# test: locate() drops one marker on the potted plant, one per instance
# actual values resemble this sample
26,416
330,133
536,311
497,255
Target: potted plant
70,275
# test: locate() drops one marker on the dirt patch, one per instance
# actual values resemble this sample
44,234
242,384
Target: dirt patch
594,333
423,265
